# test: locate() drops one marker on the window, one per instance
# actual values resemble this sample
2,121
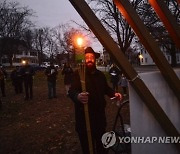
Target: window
19,53
5,60
16,60
33,53
146,60
168,57
177,57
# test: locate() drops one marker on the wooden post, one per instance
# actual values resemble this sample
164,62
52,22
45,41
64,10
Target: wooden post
82,73
178,1
150,44
168,19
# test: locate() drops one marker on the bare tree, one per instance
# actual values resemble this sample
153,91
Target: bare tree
14,19
120,30
58,33
158,30
51,44
10,46
66,37
40,42
28,38
165,40
113,21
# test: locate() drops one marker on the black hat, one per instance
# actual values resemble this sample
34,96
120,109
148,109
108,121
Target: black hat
90,50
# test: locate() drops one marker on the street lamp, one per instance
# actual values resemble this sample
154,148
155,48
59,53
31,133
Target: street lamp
140,56
140,59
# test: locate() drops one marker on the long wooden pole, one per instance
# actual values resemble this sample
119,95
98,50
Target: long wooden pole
168,19
150,44
82,72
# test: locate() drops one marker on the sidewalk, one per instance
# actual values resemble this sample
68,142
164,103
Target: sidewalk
139,69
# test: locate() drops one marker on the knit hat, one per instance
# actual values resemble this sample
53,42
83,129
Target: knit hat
90,50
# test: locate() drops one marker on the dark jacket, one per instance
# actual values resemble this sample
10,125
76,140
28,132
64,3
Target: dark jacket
114,73
3,74
97,87
67,72
28,73
16,76
51,73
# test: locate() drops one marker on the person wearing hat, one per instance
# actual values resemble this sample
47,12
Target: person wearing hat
114,74
96,89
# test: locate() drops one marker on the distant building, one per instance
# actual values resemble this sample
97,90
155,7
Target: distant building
31,56
15,51
146,59
104,58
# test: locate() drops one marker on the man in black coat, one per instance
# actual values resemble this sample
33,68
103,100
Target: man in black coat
67,72
96,89
115,74
17,80
3,76
51,73
28,74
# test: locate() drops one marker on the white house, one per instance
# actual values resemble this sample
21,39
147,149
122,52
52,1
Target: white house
31,56
145,58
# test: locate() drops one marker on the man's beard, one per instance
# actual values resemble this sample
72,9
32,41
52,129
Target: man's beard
90,68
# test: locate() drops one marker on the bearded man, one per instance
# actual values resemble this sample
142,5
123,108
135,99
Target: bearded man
96,89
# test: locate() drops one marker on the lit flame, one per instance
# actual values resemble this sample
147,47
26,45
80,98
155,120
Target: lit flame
79,41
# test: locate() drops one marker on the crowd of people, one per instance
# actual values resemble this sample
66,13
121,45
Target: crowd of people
22,79
19,76
96,88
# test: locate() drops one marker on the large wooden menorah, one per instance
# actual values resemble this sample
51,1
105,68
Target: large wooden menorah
151,46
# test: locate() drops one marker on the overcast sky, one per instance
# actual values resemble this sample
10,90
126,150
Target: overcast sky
51,13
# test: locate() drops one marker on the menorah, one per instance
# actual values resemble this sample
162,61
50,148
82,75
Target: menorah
151,46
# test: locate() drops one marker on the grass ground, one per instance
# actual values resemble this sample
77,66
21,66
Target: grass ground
42,125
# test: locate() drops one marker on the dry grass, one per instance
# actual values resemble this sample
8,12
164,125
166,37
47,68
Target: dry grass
41,125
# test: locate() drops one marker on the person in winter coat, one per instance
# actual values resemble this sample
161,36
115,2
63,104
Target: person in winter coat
124,84
67,72
3,76
51,73
17,80
96,89
114,74
28,75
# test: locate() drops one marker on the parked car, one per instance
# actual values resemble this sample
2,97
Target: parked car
57,66
37,67
47,64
